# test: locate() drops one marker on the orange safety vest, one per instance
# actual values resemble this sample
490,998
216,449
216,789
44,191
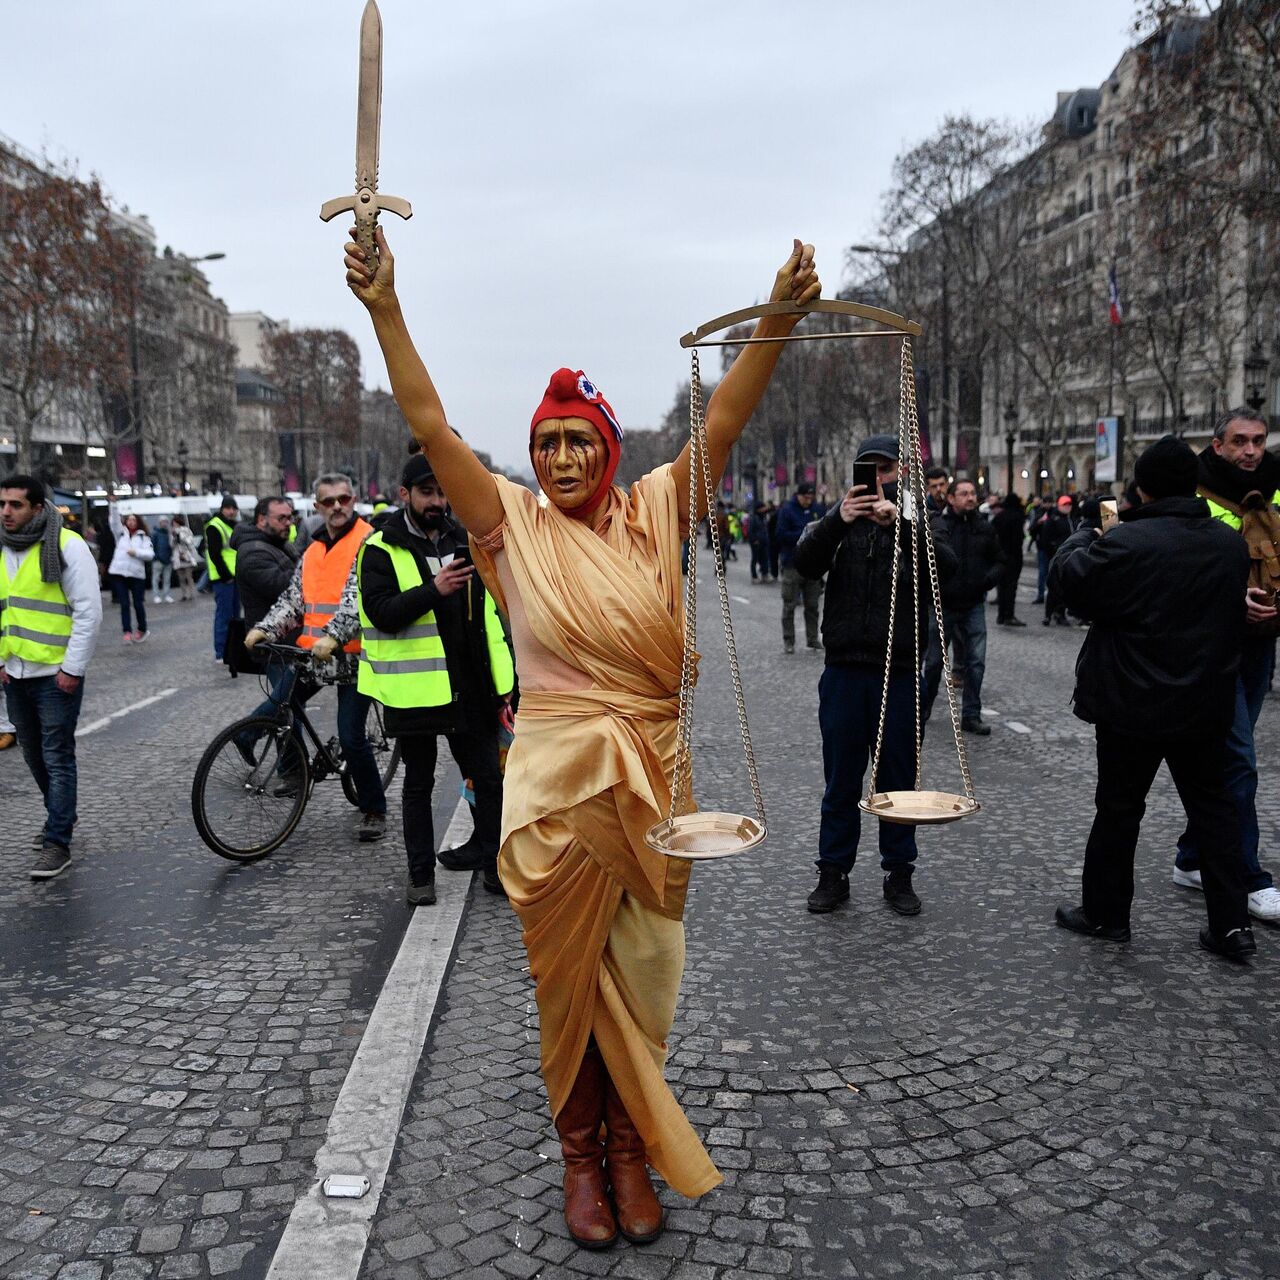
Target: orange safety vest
325,571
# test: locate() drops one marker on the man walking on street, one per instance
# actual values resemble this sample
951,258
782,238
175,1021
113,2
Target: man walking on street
758,539
50,613
964,620
794,517
421,603
854,544
220,560
320,598
1165,592
1052,530
1240,480
1009,524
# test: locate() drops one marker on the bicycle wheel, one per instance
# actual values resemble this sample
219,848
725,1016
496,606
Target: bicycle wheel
233,794
386,755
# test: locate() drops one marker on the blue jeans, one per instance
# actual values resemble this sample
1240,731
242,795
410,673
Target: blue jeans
45,719
966,631
226,605
848,715
1256,662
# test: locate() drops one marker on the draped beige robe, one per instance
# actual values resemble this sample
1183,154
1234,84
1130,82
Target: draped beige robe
586,776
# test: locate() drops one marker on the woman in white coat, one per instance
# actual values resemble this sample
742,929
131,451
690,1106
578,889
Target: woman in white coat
129,565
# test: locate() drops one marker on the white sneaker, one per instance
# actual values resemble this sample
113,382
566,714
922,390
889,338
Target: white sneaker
1187,879
1264,904
168,599
155,599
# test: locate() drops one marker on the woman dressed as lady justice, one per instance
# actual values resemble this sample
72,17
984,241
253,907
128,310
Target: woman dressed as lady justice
591,583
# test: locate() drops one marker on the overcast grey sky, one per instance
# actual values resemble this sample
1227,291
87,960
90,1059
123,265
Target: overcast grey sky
589,180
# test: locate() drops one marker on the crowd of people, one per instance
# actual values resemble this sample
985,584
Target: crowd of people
472,598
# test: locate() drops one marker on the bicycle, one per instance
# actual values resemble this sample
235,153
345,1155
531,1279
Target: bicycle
254,779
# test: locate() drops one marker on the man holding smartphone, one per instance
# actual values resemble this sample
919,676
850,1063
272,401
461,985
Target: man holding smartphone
435,654
854,545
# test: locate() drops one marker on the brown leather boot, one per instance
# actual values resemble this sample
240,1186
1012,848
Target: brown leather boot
639,1213
586,1198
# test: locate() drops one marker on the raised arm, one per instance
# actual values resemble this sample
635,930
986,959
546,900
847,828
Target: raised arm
740,390
467,483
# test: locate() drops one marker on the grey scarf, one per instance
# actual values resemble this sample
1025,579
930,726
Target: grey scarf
44,529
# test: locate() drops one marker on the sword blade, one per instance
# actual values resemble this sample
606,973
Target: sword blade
369,98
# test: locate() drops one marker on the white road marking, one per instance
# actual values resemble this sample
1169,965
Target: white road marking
94,725
1016,726
740,599
325,1239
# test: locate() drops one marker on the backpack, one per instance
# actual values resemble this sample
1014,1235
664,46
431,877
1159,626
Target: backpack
1260,529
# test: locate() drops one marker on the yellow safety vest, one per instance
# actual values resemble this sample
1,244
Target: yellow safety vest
35,616
228,555
1229,518
407,668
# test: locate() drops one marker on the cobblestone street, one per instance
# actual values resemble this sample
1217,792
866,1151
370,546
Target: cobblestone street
968,1093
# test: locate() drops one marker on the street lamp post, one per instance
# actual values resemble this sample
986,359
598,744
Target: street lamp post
1256,367
1010,438
183,453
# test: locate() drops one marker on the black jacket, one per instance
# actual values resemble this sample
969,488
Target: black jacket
264,567
459,617
1165,593
1009,524
855,613
978,558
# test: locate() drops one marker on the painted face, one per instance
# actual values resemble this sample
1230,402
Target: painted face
1243,443
569,460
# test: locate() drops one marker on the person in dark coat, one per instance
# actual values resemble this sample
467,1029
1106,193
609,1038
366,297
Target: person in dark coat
265,558
758,540
854,545
1052,530
1164,592
964,621
424,525
1010,524
794,516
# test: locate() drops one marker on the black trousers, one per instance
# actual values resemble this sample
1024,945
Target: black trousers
476,753
1007,590
1127,766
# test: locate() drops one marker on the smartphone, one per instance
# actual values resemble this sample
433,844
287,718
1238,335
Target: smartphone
1110,513
865,473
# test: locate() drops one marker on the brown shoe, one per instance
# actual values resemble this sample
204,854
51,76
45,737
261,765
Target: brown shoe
586,1198
639,1213
6,741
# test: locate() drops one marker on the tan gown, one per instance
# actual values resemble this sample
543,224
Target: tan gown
595,618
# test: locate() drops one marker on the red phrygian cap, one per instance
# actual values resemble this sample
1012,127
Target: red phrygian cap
571,394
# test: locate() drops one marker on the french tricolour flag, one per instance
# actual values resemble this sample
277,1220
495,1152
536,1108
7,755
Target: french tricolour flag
1113,296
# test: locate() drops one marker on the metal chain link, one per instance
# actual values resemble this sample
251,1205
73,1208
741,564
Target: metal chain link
700,463
910,453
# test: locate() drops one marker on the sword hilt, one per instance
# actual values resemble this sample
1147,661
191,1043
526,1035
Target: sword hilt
366,204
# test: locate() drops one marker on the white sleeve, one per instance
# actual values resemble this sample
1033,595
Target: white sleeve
147,551
113,519
84,594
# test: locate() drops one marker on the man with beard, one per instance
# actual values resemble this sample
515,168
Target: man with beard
1240,480
435,654
590,579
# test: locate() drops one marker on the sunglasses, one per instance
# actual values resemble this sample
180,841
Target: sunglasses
342,499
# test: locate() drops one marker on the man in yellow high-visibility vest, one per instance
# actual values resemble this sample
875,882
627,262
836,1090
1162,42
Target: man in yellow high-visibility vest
220,561
50,613
1235,464
435,654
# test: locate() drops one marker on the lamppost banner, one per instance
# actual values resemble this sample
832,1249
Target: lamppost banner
1106,450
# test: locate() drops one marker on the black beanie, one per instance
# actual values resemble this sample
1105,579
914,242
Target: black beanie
1167,469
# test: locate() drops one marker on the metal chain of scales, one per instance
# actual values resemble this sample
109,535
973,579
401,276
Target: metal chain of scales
686,833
